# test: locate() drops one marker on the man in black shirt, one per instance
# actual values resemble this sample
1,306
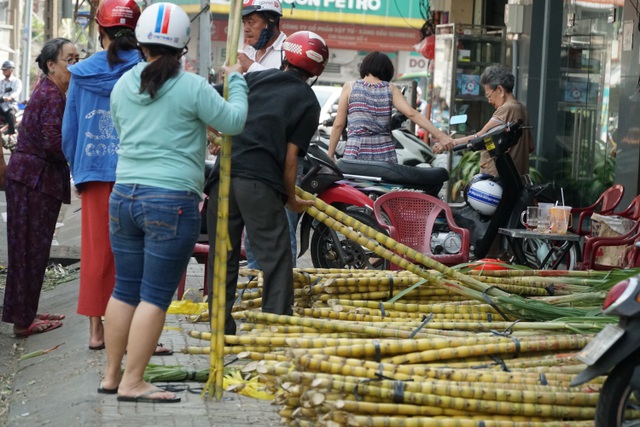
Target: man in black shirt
283,116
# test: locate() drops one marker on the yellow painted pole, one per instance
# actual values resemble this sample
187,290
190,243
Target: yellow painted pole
216,356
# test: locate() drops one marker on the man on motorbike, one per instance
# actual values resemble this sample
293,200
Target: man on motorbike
11,89
264,163
261,28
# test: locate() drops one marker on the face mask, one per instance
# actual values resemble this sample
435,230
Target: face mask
265,36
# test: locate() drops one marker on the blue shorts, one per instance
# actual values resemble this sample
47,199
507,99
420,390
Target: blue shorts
153,232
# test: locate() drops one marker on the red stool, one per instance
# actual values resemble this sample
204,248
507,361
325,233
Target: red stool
201,254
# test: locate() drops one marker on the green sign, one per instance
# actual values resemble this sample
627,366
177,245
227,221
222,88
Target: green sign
394,13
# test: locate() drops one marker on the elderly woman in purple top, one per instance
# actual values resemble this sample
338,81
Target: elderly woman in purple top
37,182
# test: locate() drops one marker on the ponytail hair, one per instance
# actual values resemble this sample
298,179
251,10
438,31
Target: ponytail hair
166,66
122,38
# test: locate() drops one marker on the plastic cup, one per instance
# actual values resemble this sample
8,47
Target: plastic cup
545,208
545,220
561,219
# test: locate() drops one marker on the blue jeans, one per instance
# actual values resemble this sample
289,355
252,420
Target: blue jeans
152,231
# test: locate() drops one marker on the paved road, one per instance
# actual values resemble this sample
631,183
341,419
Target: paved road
59,388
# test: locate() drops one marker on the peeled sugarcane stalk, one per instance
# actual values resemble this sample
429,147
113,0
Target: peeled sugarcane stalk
253,355
283,329
386,280
251,340
419,308
378,295
249,304
360,407
332,313
375,314
477,405
335,326
359,348
452,389
214,384
367,369
234,349
375,421
548,343
553,360
337,382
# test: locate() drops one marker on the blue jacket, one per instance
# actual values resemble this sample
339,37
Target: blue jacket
89,140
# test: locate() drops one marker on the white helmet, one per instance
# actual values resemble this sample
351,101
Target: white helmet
484,196
164,24
250,6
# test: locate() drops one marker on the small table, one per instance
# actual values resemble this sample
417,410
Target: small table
569,239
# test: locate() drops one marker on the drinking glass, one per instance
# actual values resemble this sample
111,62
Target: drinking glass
532,214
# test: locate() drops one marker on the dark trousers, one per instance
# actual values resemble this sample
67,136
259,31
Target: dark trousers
31,222
261,209
9,117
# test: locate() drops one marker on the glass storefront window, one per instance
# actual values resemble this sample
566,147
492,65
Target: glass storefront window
587,107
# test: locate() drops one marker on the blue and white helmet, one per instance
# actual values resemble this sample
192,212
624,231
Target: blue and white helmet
164,24
483,194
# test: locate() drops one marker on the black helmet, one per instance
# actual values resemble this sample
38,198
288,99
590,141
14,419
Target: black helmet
8,64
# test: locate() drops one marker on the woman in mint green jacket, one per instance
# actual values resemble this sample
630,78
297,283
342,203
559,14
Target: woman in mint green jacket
160,114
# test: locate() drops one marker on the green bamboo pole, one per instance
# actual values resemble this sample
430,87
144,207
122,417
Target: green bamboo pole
216,358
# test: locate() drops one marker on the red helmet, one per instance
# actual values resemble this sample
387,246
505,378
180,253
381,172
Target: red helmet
306,50
118,13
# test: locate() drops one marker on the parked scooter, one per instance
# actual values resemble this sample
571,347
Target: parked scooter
616,350
493,204
330,249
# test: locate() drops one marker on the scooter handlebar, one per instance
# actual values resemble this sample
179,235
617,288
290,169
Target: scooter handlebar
493,136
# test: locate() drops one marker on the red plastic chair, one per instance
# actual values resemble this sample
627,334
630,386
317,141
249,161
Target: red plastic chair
200,253
608,201
633,210
410,218
592,246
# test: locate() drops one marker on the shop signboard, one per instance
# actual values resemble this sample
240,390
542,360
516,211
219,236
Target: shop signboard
342,36
384,13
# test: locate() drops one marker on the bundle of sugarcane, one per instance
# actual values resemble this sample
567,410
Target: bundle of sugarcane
448,278
379,324
321,384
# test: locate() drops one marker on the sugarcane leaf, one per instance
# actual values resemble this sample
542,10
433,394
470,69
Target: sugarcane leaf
409,289
614,276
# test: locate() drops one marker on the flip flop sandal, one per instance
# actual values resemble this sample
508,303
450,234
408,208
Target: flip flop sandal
163,352
50,316
32,329
104,390
144,398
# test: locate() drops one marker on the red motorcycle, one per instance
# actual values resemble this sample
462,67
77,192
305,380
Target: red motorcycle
322,177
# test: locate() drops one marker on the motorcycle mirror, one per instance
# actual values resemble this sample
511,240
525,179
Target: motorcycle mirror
458,120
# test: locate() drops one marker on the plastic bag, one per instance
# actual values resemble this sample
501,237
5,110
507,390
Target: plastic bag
187,307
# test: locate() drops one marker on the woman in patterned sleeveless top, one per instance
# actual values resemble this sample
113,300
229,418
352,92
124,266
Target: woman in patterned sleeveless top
366,106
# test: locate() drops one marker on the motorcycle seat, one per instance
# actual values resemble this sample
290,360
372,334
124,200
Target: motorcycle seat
409,176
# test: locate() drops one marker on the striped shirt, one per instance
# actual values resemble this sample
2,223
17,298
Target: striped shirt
368,123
